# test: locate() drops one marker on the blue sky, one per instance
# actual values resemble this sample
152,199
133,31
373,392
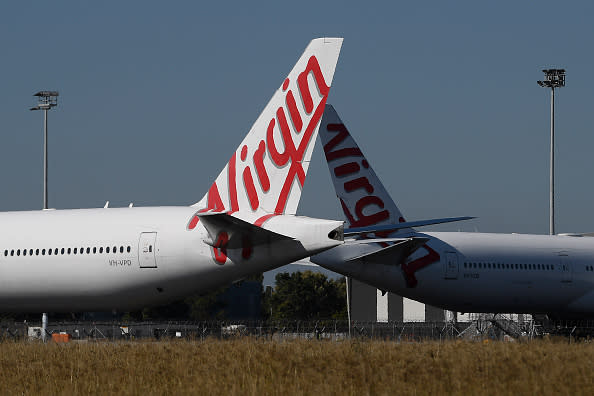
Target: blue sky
442,97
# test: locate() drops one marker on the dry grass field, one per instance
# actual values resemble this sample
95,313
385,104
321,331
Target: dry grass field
256,367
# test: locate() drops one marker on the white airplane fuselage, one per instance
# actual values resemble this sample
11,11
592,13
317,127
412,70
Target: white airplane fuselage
480,272
128,258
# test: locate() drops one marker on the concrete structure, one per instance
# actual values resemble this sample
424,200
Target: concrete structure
369,304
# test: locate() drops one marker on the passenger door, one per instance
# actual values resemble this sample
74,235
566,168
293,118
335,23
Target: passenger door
146,250
566,270
451,265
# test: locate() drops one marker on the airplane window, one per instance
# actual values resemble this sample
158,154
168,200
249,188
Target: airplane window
43,252
75,250
49,252
94,250
24,252
101,249
12,252
18,252
88,250
107,249
122,249
62,251
30,252
37,252
480,265
115,249
56,251
474,265
128,250
516,266
69,251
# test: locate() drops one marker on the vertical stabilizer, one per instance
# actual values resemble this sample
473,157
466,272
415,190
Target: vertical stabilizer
266,173
364,199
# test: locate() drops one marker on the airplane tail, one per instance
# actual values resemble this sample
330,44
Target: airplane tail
265,175
363,198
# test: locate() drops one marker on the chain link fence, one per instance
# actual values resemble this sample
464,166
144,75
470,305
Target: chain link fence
334,330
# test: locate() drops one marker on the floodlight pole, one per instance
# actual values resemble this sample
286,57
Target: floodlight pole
45,158
554,78
46,100
552,170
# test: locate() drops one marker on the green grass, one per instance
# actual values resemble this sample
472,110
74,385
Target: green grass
256,367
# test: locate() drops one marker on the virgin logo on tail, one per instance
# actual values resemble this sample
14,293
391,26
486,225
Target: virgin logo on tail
265,175
350,175
284,145
362,199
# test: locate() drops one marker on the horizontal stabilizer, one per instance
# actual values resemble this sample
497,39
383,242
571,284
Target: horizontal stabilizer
393,254
399,226
239,233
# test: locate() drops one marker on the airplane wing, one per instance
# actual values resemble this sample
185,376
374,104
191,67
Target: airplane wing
393,254
238,232
400,226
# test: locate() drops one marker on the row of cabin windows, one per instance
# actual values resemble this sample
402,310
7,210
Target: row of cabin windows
57,251
510,266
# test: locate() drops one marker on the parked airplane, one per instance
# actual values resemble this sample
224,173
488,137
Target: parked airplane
457,271
125,258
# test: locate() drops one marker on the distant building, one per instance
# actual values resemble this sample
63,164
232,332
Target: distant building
243,301
369,304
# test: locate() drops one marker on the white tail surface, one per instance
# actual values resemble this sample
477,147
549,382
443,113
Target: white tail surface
265,175
363,198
